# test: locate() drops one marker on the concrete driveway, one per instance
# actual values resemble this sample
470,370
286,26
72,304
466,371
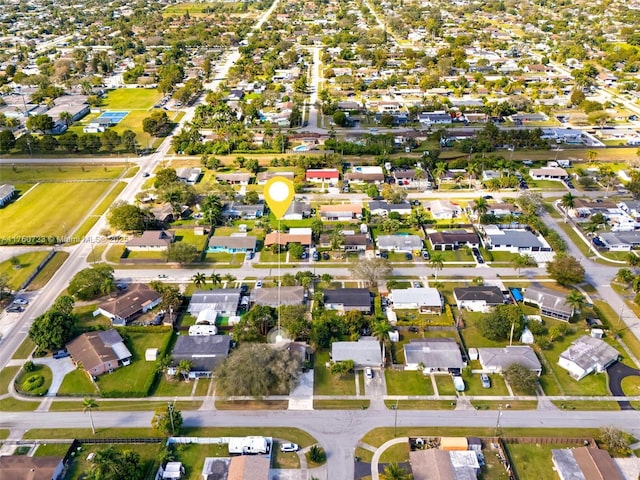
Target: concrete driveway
617,372
59,367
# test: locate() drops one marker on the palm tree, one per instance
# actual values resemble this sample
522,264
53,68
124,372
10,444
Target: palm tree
381,330
521,261
575,299
199,279
88,404
480,207
473,170
67,118
336,238
624,275
417,217
228,278
437,262
393,471
567,202
439,171
184,368
633,260
215,278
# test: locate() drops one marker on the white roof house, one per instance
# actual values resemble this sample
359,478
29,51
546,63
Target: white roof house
443,209
433,355
399,243
365,352
425,299
548,173
496,360
587,355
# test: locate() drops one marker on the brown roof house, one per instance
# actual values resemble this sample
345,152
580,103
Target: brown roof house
151,240
274,297
139,299
453,239
585,463
303,236
23,467
99,352
249,467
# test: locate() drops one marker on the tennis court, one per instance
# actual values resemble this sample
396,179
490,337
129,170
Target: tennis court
113,117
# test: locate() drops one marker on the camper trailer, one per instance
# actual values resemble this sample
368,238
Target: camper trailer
249,445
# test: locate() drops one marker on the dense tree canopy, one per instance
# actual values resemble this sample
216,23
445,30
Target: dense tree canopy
257,370
92,282
128,218
113,464
497,324
566,270
54,328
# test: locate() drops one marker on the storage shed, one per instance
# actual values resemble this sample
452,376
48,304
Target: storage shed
454,443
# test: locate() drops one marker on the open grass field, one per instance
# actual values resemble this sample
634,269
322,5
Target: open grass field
533,461
18,174
131,99
50,209
407,383
28,264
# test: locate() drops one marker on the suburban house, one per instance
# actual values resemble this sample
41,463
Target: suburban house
399,243
585,463
548,173
478,299
273,297
382,208
348,299
503,209
620,241
303,236
322,175
151,240
99,352
234,178
365,352
586,355
404,177
189,175
437,464
442,209
353,242
163,213
297,211
433,355
341,212
224,301
425,299
240,210
249,467
550,302
453,239
584,208
7,192
497,360
513,240
434,118
24,467
235,243
205,352
264,177
365,174
138,299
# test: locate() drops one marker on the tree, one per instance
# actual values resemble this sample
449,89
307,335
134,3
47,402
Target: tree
566,270
251,198
599,117
340,118
371,270
295,250
53,329
166,177
216,279
111,139
88,404
567,202
167,420
90,282
293,320
498,324
393,194
342,368
480,207
199,279
615,441
575,299
521,378
437,262
258,370
157,124
127,217
381,330
336,238
211,209
7,141
393,471
520,261
180,252
112,464
171,297
255,325
4,283
625,275
184,368
40,122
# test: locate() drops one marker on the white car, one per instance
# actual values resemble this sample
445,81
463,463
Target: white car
368,372
259,284
20,301
289,447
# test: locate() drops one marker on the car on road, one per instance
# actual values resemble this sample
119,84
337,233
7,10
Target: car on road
60,354
368,372
289,447
14,309
20,301
488,197
486,383
146,174
259,284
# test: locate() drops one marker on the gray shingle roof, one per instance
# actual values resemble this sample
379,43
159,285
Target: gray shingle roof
365,352
491,295
442,353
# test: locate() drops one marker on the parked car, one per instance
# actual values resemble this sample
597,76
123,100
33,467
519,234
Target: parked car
486,383
458,382
426,255
416,284
289,447
14,309
244,288
325,256
259,284
60,354
316,256
408,256
368,372
20,301
384,254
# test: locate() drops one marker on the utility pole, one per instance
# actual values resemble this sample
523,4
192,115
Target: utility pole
497,432
171,408
395,418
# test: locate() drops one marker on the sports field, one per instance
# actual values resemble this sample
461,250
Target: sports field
131,99
50,209
16,174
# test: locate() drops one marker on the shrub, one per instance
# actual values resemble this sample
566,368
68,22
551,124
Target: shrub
28,366
32,383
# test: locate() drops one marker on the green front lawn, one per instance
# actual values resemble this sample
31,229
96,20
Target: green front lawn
77,382
475,388
6,375
407,383
326,384
173,387
533,461
186,235
25,349
26,265
136,379
445,385
80,465
22,381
